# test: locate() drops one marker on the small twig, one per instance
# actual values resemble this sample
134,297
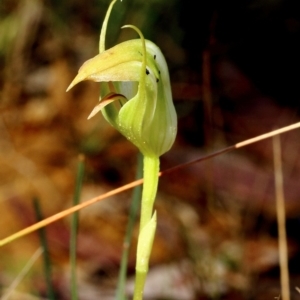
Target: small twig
67,212
128,186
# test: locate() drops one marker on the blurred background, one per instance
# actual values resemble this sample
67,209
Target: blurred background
234,68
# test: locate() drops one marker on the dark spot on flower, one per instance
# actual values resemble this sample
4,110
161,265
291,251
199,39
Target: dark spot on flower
154,56
158,72
147,72
157,80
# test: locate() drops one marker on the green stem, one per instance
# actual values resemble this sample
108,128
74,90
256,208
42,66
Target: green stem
151,169
147,224
140,279
104,27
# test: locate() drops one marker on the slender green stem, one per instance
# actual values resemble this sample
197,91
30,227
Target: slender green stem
74,229
147,224
104,28
151,170
46,256
135,204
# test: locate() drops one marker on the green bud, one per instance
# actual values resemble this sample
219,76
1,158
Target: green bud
148,118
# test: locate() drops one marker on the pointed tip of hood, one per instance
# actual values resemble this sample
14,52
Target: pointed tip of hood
79,77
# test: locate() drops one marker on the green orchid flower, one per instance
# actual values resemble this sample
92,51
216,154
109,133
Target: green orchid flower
148,119
136,99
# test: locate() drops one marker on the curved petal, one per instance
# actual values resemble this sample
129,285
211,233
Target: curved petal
105,101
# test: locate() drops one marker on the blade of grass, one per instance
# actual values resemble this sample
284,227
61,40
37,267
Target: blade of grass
46,256
134,207
128,186
22,274
280,209
74,228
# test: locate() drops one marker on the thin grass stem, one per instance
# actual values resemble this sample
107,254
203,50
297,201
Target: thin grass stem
46,255
22,274
74,228
280,209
